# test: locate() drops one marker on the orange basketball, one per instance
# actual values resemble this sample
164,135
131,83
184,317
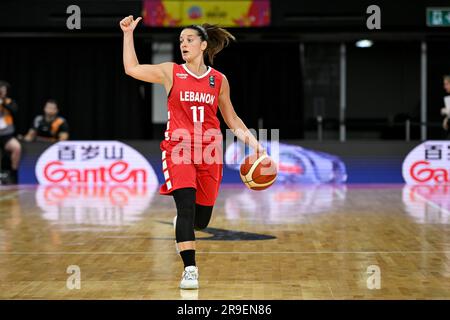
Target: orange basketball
258,172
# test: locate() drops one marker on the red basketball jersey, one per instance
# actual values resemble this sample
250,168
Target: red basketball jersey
192,103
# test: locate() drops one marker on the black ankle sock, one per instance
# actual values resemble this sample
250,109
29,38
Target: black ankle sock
188,257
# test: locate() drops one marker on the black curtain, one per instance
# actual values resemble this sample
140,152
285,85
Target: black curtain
86,76
265,82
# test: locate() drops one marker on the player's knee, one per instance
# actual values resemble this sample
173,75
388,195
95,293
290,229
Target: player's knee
185,201
186,209
202,216
200,225
184,230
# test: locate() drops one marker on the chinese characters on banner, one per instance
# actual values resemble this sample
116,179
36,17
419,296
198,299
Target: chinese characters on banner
88,152
428,163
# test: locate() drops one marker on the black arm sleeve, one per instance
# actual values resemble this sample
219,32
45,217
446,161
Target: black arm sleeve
64,127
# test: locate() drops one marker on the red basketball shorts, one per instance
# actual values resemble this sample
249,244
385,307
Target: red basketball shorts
204,177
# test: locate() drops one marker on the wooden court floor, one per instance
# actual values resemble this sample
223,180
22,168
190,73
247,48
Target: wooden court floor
300,242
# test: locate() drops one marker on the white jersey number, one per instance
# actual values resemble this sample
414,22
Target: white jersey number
201,111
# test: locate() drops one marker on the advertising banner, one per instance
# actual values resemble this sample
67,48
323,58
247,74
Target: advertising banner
302,162
295,164
428,163
175,13
93,162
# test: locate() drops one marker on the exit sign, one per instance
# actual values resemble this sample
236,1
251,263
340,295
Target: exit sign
438,17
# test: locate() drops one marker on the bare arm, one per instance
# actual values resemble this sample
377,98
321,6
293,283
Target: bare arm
63,136
31,135
232,120
154,73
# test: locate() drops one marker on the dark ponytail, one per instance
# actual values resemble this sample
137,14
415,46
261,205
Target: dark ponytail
217,38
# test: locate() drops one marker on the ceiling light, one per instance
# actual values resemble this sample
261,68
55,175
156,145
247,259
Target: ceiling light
364,43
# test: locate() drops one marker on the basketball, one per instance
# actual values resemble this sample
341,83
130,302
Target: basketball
258,172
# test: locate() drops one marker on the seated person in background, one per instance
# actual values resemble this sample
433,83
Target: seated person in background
445,111
50,126
8,142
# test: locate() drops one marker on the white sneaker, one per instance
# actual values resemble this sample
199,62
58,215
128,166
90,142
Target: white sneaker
189,279
174,229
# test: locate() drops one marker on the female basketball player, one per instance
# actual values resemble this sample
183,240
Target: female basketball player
195,92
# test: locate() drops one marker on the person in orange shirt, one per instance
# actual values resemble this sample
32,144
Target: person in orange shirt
49,126
8,143
445,111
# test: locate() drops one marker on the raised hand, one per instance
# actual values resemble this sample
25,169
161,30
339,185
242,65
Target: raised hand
128,24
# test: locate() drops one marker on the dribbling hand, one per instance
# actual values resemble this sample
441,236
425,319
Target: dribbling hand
260,151
128,24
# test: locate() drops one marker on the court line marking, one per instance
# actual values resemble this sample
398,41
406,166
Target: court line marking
220,252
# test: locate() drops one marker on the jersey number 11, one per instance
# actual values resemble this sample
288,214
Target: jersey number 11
201,111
